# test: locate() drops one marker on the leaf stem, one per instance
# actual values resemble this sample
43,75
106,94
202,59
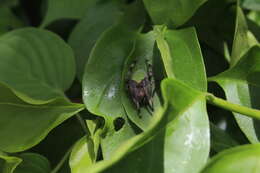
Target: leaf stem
253,113
62,161
90,142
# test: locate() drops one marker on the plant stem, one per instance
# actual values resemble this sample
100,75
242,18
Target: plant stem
253,113
89,141
62,161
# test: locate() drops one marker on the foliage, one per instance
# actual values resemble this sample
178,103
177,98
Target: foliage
65,67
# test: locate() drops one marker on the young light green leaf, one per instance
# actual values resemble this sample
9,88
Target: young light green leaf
242,86
29,123
80,158
242,159
65,9
182,59
33,163
172,12
8,163
93,24
36,63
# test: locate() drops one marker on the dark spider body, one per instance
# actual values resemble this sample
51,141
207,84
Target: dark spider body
141,92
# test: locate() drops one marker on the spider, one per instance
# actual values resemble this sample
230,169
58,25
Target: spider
141,91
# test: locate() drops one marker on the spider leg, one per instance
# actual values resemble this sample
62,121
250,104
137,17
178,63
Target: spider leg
137,107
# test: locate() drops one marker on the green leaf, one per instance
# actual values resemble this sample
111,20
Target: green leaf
182,56
8,163
172,12
251,4
80,158
254,16
182,59
65,9
29,124
241,42
144,152
241,86
87,31
103,80
220,140
242,159
36,63
142,56
8,20
33,163
237,81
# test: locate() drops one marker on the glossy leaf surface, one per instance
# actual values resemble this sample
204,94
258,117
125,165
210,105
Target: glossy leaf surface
188,141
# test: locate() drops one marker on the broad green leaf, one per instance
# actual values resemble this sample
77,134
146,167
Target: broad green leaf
8,163
65,9
241,42
242,159
144,152
33,163
172,12
242,86
103,80
36,63
24,125
87,31
181,56
8,20
251,4
188,139
220,140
